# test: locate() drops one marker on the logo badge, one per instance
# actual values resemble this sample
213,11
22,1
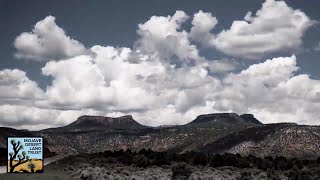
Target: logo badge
25,155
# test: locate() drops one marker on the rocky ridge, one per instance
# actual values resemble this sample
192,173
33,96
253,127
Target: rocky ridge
210,133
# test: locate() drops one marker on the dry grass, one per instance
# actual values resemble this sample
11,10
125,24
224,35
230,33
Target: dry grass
37,162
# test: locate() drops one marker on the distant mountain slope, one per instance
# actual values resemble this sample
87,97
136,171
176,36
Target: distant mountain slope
99,122
250,118
218,117
95,133
211,133
6,132
284,139
225,119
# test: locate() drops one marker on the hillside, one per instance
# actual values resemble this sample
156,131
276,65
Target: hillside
210,133
99,123
93,134
284,139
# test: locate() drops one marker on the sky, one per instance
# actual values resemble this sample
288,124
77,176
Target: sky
30,150
163,62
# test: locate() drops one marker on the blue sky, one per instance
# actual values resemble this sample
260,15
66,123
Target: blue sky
25,148
164,62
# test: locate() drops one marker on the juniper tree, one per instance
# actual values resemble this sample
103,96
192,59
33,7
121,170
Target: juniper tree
22,158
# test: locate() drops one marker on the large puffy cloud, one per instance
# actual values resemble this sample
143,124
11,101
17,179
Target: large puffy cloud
275,27
255,86
77,83
46,42
202,25
138,81
19,97
161,80
86,82
160,38
117,84
108,82
273,92
15,86
156,95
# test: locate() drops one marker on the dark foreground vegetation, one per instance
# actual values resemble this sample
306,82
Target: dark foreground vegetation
190,165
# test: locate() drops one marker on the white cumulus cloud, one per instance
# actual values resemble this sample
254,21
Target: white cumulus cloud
162,79
15,86
162,37
271,90
202,25
275,27
46,42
